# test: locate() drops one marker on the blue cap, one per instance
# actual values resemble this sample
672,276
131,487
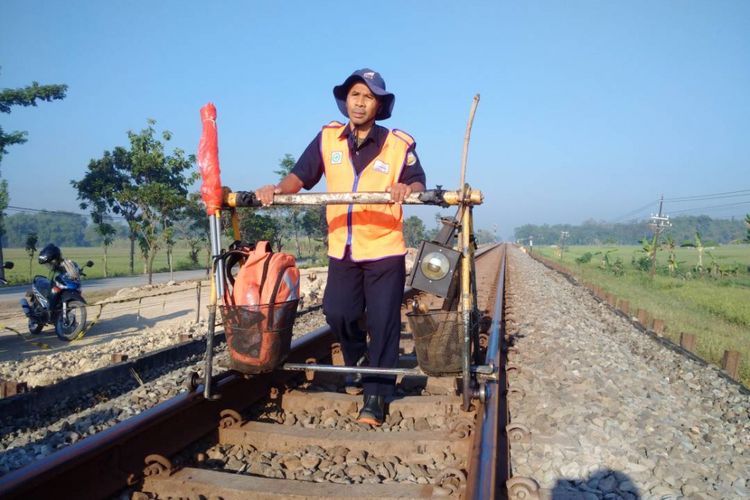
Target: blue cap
375,83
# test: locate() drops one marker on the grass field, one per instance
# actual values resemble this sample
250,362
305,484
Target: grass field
117,262
313,254
715,309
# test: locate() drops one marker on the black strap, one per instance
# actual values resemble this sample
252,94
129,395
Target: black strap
237,253
264,275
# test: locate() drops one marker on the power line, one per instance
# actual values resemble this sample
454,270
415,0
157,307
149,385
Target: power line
742,193
636,211
729,205
41,210
60,212
713,196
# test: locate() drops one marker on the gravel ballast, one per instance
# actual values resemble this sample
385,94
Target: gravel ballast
612,412
34,437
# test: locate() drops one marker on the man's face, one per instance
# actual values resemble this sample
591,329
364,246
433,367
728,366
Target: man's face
361,104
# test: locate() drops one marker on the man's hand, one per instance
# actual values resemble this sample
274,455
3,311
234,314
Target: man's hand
399,192
265,194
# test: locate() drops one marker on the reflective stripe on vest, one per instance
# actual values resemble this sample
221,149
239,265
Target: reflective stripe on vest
372,231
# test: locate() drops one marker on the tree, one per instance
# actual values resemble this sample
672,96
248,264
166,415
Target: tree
93,238
31,241
144,185
257,227
101,190
107,232
158,187
747,223
193,226
25,96
699,246
290,218
60,228
485,236
672,258
414,231
598,232
314,224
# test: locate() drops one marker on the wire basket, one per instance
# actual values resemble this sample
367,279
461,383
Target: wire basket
438,337
259,337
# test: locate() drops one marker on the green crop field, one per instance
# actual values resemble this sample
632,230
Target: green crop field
313,254
713,304
117,262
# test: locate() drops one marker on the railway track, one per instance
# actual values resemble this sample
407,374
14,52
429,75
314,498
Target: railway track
291,434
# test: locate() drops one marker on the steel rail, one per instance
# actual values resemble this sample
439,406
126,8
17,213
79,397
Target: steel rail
105,463
101,465
488,468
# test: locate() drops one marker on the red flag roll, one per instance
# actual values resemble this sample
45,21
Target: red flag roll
208,160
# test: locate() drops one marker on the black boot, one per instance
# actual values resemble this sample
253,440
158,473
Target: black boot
353,381
373,411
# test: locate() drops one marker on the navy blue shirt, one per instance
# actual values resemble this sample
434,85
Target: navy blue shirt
309,168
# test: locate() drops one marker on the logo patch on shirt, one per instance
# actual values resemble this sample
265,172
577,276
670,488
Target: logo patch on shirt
411,159
381,167
336,157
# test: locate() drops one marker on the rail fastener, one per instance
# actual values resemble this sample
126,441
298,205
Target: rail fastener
525,488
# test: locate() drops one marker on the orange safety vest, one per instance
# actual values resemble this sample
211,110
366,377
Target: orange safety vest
372,231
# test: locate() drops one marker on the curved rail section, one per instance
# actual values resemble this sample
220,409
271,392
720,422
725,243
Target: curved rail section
103,464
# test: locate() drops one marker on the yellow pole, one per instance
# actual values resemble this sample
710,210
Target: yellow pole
467,303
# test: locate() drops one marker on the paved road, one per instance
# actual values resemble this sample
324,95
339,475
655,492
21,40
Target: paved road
14,293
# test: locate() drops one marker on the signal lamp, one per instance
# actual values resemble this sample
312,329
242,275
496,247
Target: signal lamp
434,268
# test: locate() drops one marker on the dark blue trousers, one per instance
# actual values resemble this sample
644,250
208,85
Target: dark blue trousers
377,287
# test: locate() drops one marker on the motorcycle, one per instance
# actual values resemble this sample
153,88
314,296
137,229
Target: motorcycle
6,265
57,301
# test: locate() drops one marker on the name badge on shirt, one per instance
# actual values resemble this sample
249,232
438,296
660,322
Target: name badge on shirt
336,157
381,167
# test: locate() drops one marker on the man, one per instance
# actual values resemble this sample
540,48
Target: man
365,242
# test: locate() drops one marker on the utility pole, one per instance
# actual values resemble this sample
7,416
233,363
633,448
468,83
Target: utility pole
563,235
531,244
658,224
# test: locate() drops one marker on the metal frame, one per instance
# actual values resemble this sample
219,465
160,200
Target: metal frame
466,198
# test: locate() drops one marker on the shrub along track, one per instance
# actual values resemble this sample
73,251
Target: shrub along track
287,434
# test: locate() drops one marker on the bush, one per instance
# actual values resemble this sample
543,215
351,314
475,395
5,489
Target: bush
585,258
618,269
642,263
186,265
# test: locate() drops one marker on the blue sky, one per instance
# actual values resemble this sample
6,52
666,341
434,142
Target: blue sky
589,109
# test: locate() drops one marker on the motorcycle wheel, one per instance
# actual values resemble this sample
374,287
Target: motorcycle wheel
35,326
68,326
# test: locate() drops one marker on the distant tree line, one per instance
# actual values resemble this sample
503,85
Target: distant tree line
592,232
62,229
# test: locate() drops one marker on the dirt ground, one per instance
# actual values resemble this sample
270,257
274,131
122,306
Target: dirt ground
129,321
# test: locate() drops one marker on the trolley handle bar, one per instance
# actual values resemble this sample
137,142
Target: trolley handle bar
430,197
